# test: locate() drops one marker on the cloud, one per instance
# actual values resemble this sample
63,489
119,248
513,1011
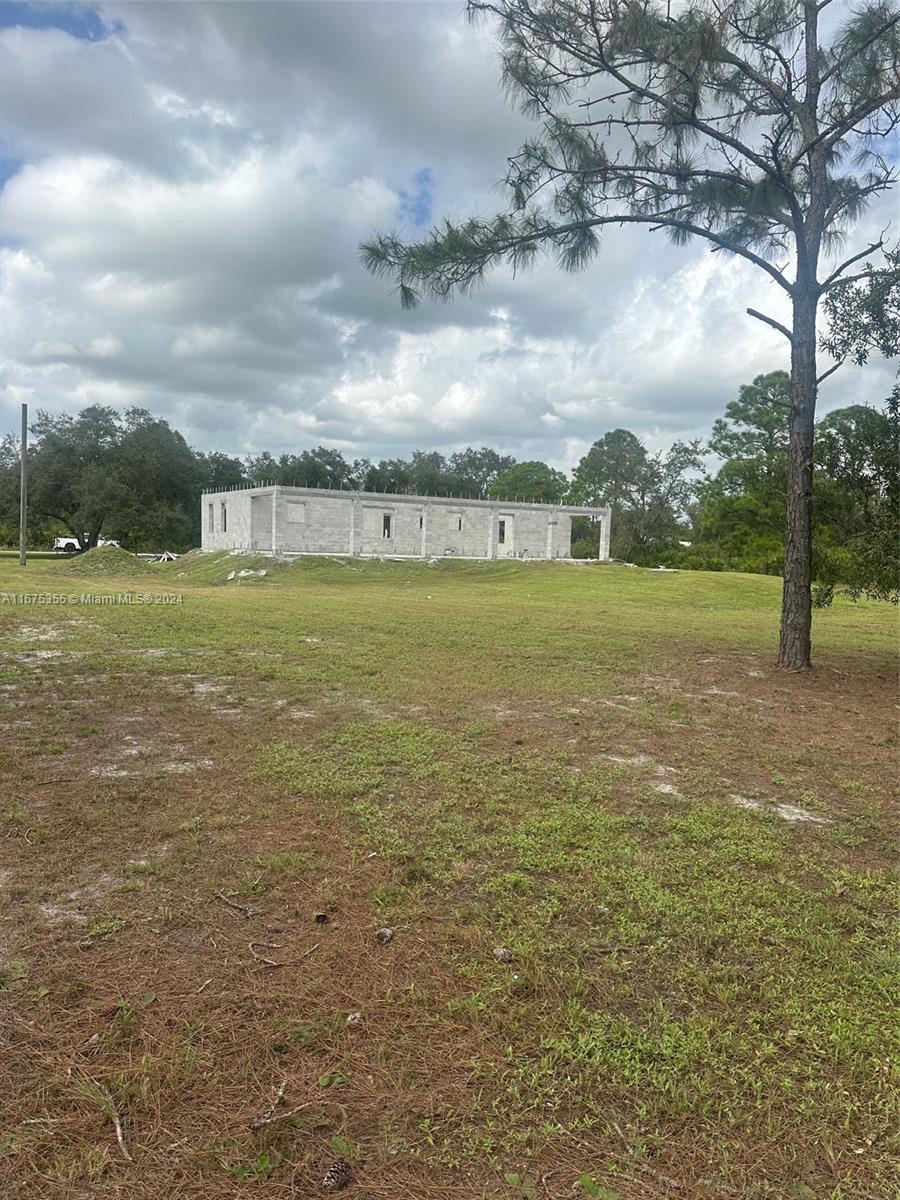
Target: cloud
182,220
104,347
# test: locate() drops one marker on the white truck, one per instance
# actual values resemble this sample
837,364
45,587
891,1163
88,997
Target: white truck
69,545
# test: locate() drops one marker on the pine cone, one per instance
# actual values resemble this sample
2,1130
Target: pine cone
337,1176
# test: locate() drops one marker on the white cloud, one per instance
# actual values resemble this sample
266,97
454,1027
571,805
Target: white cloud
104,347
203,341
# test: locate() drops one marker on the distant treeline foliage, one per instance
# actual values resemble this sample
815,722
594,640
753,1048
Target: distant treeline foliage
132,478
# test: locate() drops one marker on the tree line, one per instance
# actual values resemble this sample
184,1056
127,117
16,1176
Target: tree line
717,504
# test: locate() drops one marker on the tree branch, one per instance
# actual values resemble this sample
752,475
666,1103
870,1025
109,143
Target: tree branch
383,259
873,37
835,132
831,370
653,97
826,283
752,312
855,278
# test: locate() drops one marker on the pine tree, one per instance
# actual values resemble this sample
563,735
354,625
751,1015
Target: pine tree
739,122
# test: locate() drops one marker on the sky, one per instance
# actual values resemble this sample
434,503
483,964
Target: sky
184,190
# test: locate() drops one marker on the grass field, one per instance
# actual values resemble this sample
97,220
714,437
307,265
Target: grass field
212,801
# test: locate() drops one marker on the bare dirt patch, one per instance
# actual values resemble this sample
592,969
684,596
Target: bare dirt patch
39,633
787,812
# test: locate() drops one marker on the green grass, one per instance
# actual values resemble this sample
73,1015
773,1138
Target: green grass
398,628
538,757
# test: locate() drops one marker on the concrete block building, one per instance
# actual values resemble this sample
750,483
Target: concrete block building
294,521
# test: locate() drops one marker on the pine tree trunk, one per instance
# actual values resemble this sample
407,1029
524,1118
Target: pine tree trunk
796,606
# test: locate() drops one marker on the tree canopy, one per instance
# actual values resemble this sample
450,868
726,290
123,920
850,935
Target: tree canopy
530,481
608,472
129,476
649,494
753,434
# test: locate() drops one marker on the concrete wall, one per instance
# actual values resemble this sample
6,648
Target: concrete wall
316,524
317,521
226,520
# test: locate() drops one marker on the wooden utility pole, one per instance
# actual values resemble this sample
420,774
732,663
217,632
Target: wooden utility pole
23,487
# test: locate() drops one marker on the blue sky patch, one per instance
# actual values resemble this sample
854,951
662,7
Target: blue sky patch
415,205
80,20
8,168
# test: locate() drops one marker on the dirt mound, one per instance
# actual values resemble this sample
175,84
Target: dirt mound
106,561
221,567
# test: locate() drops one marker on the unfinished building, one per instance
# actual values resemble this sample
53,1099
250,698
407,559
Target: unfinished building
296,520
